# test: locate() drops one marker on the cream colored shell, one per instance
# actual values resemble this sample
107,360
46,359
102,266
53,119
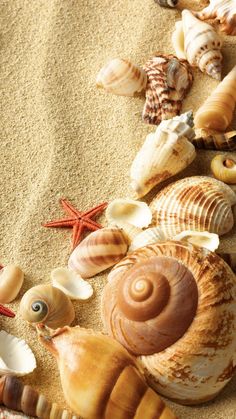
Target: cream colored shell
223,11
199,238
149,236
223,167
124,210
71,283
11,280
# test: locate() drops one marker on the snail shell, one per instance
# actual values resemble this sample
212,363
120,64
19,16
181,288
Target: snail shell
175,305
223,11
224,142
11,280
223,167
48,305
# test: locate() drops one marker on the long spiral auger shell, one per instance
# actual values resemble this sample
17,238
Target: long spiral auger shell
224,142
23,398
223,11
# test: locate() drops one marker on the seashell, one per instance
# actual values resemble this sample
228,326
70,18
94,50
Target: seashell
169,80
121,77
174,304
199,238
163,154
98,251
199,43
150,236
197,203
223,11
223,167
11,280
217,111
23,398
128,229
129,211
48,305
229,258
71,283
104,381
16,357
224,142
167,3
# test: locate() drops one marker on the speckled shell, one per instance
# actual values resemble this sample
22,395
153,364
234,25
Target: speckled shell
98,251
174,304
197,203
223,11
169,80
11,280
210,141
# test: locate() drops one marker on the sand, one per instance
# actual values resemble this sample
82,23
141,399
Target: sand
61,137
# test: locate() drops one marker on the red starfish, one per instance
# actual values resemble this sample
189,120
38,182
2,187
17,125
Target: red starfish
3,310
79,220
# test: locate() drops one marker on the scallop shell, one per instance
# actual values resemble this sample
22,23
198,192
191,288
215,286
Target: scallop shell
217,111
169,80
197,203
223,11
167,3
129,211
223,167
121,77
16,358
224,142
11,280
71,283
202,239
150,236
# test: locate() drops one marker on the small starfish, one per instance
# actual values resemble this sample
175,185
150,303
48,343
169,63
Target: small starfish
3,310
79,220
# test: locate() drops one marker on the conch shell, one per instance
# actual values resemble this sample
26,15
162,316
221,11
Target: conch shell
98,251
223,167
223,11
11,280
104,381
123,210
72,284
122,77
217,111
210,141
48,305
197,203
199,43
164,153
174,304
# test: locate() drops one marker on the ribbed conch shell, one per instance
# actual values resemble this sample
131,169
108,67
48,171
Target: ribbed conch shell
98,251
48,305
224,142
71,283
11,280
197,203
199,238
16,357
129,211
223,11
167,3
174,304
23,398
122,77
223,167
104,381
164,153
169,80
149,236
199,43
217,111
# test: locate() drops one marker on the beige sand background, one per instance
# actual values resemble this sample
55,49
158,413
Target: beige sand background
61,137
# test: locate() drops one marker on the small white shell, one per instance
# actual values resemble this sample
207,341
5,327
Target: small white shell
11,280
202,239
150,236
123,210
71,283
16,358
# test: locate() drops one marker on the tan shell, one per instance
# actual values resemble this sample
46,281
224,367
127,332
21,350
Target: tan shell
122,77
197,203
98,251
199,238
124,210
48,305
11,280
217,111
71,283
223,167
175,304
211,141
223,11
149,236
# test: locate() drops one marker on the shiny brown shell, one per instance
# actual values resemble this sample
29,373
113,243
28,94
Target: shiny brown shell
224,142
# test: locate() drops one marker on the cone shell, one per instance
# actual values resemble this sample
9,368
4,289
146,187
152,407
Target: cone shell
223,167
98,251
71,283
223,11
149,236
11,280
169,80
16,358
197,203
123,210
121,77
217,111
199,238
174,304
211,141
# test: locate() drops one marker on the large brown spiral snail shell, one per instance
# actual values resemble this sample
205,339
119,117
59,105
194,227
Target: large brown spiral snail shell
175,304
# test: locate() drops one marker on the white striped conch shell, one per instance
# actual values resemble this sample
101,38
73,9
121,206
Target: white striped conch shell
149,236
121,77
164,153
11,280
217,111
197,203
223,11
71,283
124,210
199,43
174,304
98,251
199,238
223,167
16,358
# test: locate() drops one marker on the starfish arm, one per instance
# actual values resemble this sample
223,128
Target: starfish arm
66,222
68,207
6,311
92,224
77,233
96,210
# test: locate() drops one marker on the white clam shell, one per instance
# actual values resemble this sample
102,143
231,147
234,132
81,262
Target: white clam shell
150,236
16,358
11,280
203,239
71,283
129,211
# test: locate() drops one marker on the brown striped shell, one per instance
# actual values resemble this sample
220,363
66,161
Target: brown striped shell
98,251
197,203
174,304
223,11
224,142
